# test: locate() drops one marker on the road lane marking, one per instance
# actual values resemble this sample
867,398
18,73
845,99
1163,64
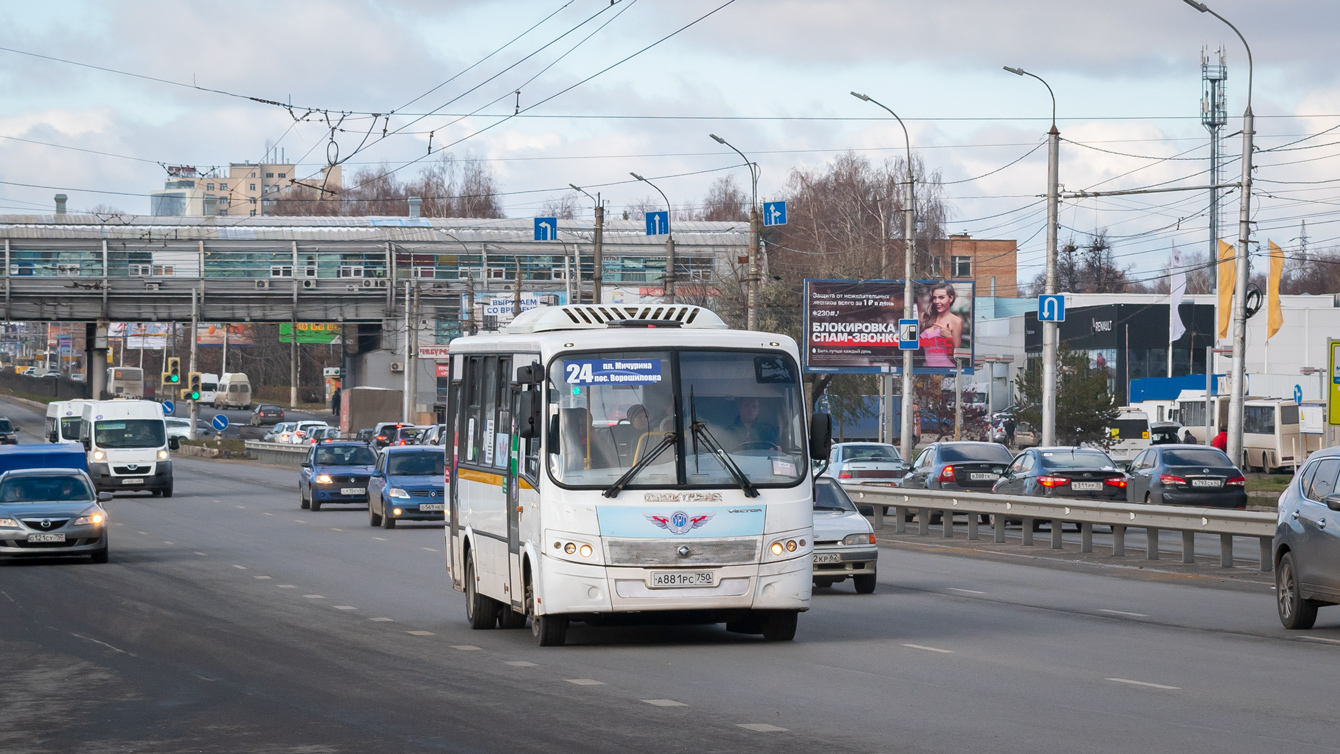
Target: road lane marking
267,514
239,506
345,607
334,529
1123,612
166,542
930,649
263,577
299,521
286,586
201,554
1321,638
584,682
420,633
314,596
1146,684
143,532
380,538
664,703
239,567
429,549
465,647
520,664
383,620
965,591
760,727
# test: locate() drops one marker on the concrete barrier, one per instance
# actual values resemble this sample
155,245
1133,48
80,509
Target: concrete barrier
278,454
1227,524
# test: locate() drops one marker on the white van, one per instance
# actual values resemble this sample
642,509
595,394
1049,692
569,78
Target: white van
1129,435
234,391
128,447
209,385
63,419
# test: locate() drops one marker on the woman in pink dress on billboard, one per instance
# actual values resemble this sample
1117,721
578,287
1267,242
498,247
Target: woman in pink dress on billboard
941,329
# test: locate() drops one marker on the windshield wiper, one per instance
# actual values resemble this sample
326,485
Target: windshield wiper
614,489
727,460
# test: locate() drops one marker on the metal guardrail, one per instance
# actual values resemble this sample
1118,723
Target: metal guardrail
277,453
1120,516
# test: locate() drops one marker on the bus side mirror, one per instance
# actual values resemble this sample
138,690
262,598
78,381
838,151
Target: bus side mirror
531,374
529,420
88,444
821,436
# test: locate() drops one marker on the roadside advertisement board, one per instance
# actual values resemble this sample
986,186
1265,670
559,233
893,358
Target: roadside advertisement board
1332,383
852,326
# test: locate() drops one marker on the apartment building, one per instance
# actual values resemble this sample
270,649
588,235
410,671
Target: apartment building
247,189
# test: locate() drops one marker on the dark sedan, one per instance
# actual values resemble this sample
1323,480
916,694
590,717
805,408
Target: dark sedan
1186,475
1082,473
335,472
958,466
266,413
8,432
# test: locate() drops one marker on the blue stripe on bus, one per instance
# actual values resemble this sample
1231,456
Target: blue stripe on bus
680,521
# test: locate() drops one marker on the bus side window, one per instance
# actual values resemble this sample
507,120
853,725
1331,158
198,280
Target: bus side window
503,425
472,429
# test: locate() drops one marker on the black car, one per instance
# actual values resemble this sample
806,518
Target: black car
1083,473
958,466
1186,475
8,432
266,413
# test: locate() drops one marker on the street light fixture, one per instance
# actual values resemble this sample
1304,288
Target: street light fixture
668,287
752,280
598,251
1050,330
1239,379
909,293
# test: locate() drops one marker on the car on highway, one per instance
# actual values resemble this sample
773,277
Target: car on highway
336,471
281,432
50,512
178,428
9,434
1306,550
318,434
266,413
865,463
844,541
302,431
407,486
407,435
1186,475
958,466
384,433
1082,473
434,434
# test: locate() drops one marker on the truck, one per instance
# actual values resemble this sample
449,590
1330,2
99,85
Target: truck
365,407
62,455
127,446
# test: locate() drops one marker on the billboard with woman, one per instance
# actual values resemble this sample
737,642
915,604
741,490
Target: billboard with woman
852,325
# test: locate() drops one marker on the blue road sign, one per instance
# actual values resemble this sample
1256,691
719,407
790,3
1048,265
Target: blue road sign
1051,308
774,213
168,407
220,422
546,229
658,223
908,334
1297,394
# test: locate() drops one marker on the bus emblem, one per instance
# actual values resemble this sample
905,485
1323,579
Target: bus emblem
679,522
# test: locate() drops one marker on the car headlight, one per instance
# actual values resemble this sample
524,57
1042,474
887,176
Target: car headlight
323,479
94,519
397,492
859,539
162,455
8,523
98,455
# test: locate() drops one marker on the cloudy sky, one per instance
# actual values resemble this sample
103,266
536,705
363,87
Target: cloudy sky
771,76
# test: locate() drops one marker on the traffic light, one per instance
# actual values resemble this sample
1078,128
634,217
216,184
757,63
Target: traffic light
192,391
173,374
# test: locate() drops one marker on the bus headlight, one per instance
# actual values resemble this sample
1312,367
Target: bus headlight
162,455
98,455
777,548
585,550
396,492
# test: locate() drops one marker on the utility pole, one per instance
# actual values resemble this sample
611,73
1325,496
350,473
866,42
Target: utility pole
1239,377
668,287
412,354
909,289
293,363
1050,330
753,276
598,250
195,323
405,398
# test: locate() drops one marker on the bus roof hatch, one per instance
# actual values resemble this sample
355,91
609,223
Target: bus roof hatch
598,316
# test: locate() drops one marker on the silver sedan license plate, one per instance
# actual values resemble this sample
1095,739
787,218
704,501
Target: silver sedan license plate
827,557
40,537
431,507
133,480
664,579
353,490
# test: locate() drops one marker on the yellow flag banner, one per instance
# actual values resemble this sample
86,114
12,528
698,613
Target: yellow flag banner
1276,317
1228,275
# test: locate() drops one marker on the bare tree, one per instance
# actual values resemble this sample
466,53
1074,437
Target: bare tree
725,201
638,209
448,187
564,207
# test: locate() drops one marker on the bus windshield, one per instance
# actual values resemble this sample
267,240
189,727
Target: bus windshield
69,427
689,418
129,433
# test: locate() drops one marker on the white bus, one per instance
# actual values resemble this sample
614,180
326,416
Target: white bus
607,461
209,385
125,382
1270,436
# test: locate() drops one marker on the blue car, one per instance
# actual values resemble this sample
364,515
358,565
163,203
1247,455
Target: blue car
335,472
407,485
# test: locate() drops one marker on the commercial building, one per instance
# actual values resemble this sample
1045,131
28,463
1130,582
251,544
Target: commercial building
246,190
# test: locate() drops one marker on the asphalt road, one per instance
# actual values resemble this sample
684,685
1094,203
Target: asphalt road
229,620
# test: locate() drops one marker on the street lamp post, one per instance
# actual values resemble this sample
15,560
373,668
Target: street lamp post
1050,330
668,288
752,281
909,292
1237,383
598,252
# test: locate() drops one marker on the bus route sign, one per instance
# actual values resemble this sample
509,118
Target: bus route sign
612,371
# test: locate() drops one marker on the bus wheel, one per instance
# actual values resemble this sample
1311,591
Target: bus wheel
780,625
480,611
549,630
510,618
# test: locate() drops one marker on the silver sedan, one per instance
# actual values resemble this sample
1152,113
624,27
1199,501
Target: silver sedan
844,542
47,512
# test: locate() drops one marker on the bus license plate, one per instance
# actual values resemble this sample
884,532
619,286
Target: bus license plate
1090,486
827,557
46,537
670,579
353,490
135,480
1205,483
431,507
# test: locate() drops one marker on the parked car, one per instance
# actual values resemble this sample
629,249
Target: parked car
46,512
335,471
302,429
1306,550
844,541
1186,475
9,434
1165,433
958,466
266,413
282,432
1082,473
407,486
865,463
1026,436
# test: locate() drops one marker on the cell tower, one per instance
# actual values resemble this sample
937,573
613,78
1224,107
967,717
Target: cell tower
1213,115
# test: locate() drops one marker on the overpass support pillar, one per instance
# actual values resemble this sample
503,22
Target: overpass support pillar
95,358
